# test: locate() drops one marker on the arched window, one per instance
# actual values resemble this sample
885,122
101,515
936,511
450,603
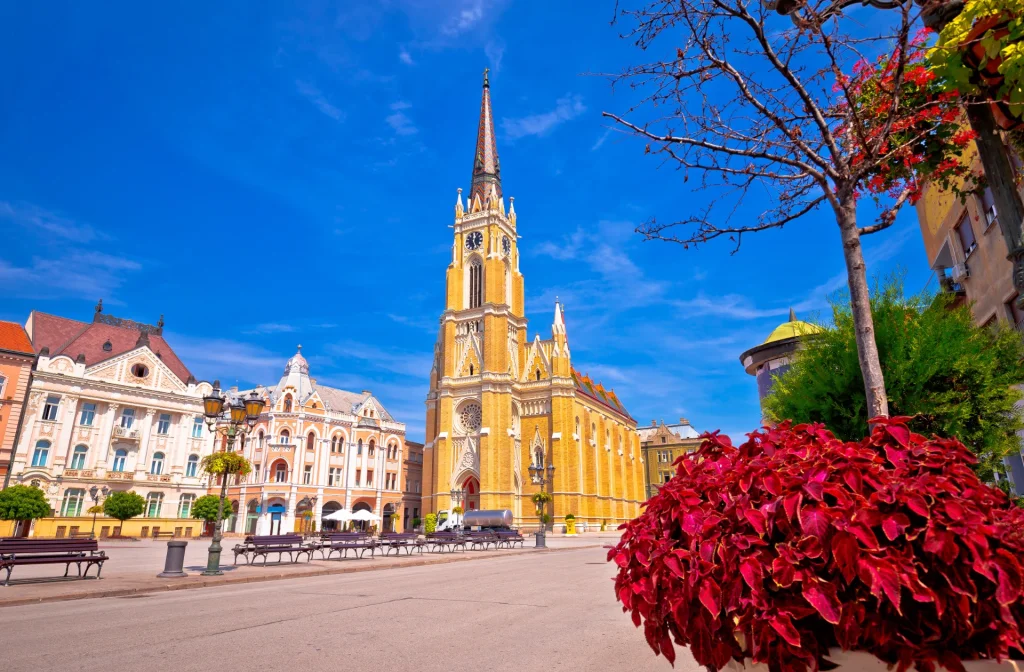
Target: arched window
157,465
72,505
154,501
476,283
538,374
120,455
281,472
41,454
370,448
78,457
259,439
471,369
192,466
285,436
334,444
359,447
538,457
287,403
310,441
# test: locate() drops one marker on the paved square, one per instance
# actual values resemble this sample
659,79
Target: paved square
527,611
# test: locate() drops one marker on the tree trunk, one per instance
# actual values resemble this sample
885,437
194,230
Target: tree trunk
860,305
1001,180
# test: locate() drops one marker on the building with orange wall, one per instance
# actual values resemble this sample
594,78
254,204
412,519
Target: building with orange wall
16,359
412,482
316,449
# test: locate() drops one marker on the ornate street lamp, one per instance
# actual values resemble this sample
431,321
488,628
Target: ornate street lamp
541,476
95,493
241,418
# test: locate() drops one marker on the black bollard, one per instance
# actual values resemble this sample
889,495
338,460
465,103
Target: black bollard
175,560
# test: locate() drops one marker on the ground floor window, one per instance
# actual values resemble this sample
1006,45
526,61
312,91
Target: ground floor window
72,505
154,501
185,508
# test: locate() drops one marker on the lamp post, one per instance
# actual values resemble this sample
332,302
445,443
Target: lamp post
539,477
95,493
241,418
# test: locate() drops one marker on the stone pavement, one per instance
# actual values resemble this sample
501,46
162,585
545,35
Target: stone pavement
132,568
526,611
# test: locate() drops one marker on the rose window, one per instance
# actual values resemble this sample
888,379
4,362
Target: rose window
470,417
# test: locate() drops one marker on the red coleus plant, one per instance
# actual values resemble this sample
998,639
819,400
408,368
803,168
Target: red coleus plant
796,542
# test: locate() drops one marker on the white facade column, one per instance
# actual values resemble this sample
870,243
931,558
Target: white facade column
65,435
105,448
142,456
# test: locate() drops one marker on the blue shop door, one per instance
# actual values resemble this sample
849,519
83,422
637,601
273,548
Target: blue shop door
276,514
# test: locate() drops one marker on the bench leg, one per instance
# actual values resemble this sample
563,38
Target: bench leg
9,569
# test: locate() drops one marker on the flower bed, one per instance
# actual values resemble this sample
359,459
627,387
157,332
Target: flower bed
795,543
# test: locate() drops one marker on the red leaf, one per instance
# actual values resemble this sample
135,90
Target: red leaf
822,596
750,569
621,559
757,520
900,433
815,489
845,552
791,504
674,565
783,625
813,521
894,525
1009,572
772,483
918,505
710,596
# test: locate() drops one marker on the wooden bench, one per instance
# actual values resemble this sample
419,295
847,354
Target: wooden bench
257,545
30,551
162,535
445,541
410,541
481,539
508,538
343,542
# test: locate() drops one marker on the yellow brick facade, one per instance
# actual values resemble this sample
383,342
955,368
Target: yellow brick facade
499,402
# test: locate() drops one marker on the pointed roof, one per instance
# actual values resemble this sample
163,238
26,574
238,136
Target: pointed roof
102,339
486,168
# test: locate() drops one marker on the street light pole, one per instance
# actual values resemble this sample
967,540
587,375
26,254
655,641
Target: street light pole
539,477
95,492
242,417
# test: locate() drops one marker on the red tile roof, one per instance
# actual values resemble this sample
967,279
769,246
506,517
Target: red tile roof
72,338
14,339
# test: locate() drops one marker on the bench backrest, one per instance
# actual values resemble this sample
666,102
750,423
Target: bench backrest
30,545
345,536
399,535
261,540
443,535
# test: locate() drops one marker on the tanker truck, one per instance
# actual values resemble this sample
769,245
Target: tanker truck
493,519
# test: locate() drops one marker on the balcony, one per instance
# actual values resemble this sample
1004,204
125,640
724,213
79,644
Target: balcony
126,433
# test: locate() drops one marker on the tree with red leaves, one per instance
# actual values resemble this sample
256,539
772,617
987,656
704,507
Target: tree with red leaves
767,109
796,543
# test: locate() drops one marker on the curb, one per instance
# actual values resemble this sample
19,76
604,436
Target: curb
323,571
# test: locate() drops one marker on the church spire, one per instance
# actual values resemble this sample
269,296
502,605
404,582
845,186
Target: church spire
486,169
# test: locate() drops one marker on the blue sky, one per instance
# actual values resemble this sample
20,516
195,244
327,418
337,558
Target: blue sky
267,174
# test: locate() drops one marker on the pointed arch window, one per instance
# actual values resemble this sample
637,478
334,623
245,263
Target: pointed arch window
476,283
334,444
310,441
370,448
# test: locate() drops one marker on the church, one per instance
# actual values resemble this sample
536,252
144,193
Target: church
498,402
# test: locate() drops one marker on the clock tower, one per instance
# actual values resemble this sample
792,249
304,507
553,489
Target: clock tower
498,403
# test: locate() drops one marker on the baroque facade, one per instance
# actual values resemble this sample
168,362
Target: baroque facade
499,402
316,449
412,482
110,404
661,444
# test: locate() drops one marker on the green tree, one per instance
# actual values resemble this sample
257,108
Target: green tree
23,502
123,505
206,508
956,379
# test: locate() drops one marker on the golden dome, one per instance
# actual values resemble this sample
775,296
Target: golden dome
792,329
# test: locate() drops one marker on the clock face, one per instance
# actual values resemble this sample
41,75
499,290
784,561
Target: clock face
474,240
506,245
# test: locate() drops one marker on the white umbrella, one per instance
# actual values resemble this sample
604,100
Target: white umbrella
343,515
365,515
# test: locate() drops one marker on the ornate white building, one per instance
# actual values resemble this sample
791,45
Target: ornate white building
317,449
111,405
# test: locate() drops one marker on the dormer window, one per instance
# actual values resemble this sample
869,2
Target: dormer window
108,346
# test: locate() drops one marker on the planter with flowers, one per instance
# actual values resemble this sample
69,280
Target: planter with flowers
570,524
797,551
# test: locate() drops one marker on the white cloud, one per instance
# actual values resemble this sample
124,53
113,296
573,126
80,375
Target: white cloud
227,360
567,108
495,51
600,140
399,120
464,19
318,99
33,217
82,274
405,57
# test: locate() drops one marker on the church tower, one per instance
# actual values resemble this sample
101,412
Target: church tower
499,402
